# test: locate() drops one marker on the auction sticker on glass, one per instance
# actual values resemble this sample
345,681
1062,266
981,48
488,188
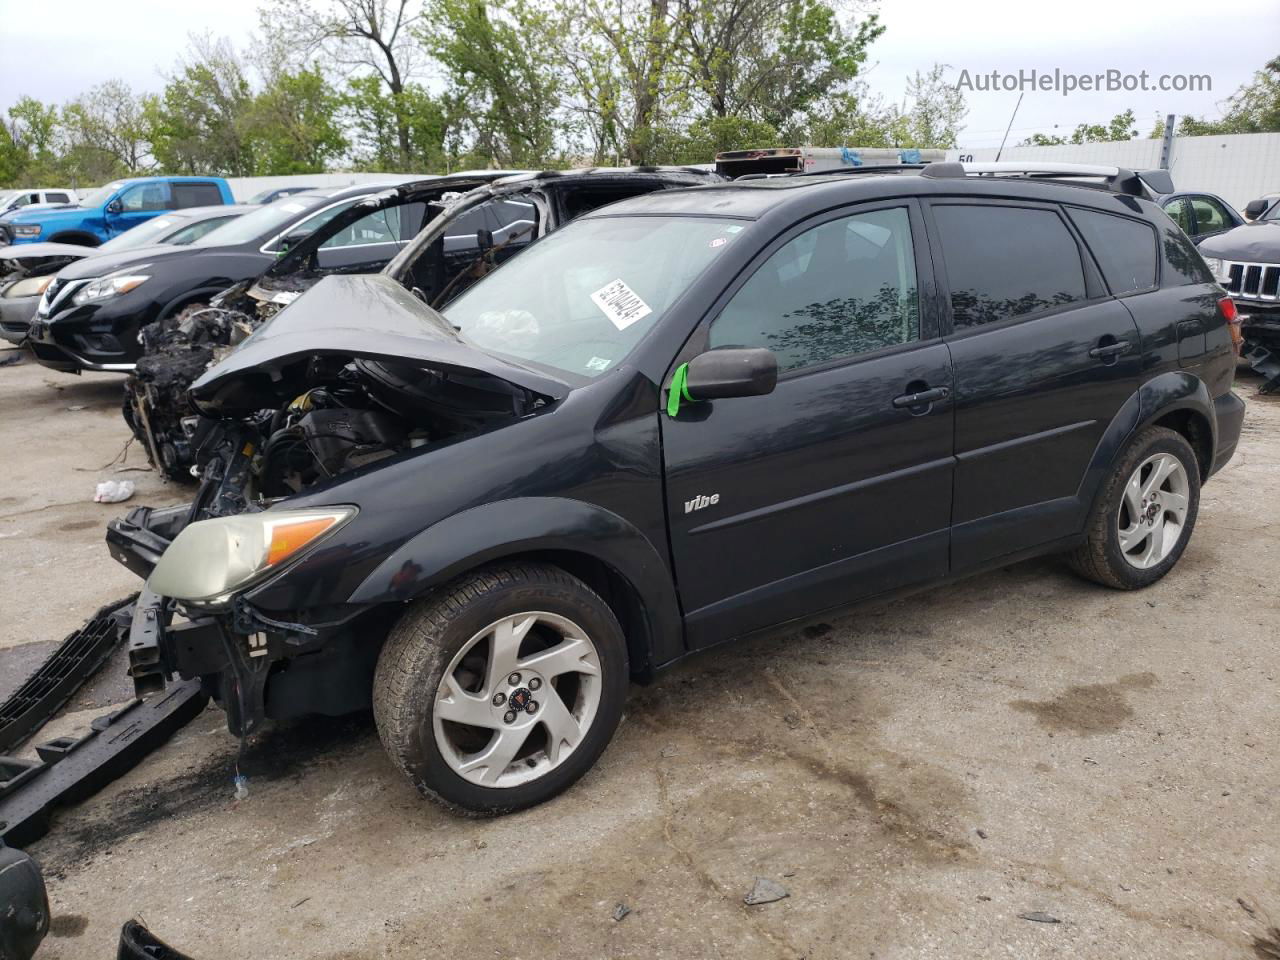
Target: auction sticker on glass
621,304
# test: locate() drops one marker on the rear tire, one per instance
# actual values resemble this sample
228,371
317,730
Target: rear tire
501,690
1144,515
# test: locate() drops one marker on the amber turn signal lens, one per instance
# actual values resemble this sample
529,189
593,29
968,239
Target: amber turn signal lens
290,536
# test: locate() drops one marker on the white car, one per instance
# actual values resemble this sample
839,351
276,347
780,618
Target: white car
14,199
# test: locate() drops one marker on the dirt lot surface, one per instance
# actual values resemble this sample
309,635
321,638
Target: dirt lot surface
917,777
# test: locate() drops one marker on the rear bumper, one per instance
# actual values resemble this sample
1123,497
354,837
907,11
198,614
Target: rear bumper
1229,412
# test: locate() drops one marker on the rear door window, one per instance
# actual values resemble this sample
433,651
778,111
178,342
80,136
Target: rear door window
196,195
56,197
381,226
1125,249
1004,262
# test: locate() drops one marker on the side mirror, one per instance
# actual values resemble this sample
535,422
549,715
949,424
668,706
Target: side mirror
1255,208
291,240
719,374
114,206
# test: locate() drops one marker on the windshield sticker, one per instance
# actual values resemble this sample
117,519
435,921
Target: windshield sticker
621,304
734,228
598,363
718,242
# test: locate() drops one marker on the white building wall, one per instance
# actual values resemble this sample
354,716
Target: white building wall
1239,167
242,188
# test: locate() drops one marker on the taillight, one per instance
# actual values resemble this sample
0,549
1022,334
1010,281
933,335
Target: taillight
1227,307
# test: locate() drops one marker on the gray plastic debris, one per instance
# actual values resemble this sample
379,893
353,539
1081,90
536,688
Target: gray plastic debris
765,890
1037,916
620,911
113,491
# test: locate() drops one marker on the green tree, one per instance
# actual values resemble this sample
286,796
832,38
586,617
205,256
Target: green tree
1120,127
618,62
498,67
767,60
104,134
294,125
933,115
1254,108
376,119
199,124
12,159
362,38
33,131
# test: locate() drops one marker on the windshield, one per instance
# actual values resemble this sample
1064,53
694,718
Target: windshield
581,299
1274,212
101,195
141,235
262,223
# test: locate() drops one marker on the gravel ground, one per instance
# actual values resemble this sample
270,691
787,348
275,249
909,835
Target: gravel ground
920,778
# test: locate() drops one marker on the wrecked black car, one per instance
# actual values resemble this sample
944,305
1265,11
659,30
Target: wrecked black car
472,222
687,417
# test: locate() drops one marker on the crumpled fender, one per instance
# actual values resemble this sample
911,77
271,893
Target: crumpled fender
531,524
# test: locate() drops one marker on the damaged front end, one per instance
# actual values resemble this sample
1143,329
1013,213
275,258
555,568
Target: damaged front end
361,374
177,349
25,272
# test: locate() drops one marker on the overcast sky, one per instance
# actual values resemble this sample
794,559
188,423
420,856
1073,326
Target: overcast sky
54,51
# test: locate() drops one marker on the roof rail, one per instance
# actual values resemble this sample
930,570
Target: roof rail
842,171
1144,183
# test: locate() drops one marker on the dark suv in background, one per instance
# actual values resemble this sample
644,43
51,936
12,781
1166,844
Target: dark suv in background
1246,261
681,419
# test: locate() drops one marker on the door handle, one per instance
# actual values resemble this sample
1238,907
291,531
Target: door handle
922,397
1106,350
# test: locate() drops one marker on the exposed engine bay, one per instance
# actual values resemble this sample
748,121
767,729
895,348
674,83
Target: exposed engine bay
358,412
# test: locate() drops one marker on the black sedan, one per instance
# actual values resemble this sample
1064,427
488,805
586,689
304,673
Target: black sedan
90,314
27,269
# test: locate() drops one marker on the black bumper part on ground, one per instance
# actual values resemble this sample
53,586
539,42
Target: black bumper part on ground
70,769
24,905
139,943
77,658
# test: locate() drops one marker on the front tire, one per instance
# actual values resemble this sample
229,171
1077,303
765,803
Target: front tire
502,689
1144,515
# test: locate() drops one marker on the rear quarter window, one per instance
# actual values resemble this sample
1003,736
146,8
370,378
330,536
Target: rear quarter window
1125,249
1183,264
196,195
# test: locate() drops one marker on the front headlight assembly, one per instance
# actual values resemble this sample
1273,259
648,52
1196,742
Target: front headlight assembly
212,560
30,287
1215,267
107,287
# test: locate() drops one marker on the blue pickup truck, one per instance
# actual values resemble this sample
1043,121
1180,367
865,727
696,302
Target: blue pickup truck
113,209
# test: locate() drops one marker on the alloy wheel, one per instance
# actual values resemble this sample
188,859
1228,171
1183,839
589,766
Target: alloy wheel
1153,511
517,699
